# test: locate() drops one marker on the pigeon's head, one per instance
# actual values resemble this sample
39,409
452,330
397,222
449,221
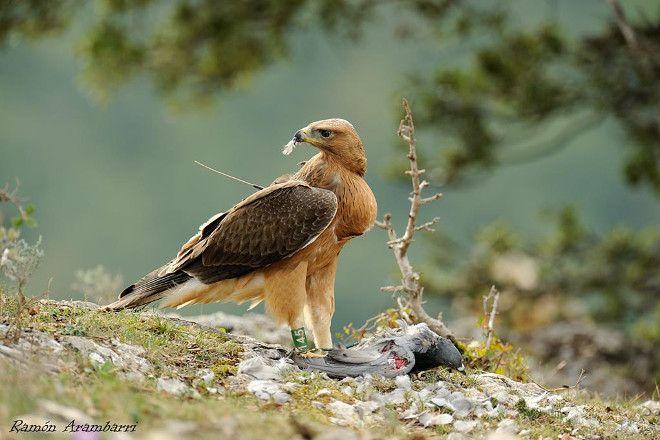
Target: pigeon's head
442,352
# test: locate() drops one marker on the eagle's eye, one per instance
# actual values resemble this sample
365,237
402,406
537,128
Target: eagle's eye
325,133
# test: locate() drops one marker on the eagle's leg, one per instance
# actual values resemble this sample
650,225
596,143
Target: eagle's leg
301,346
320,304
285,292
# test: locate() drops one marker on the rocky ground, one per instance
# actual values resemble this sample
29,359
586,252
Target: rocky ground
162,376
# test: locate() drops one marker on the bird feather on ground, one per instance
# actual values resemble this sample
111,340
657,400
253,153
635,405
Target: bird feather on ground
280,245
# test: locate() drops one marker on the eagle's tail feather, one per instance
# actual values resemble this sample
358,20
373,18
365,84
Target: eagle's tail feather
149,289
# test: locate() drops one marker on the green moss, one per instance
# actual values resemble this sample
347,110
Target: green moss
526,411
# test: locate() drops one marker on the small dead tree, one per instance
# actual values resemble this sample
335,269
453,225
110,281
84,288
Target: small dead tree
410,286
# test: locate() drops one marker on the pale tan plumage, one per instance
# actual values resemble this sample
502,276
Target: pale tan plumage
281,244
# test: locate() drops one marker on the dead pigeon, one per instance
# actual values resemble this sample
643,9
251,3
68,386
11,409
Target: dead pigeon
392,353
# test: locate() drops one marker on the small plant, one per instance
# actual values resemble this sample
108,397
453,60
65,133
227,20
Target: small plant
18,260
351,335
525,411
493,354
97,284
74,330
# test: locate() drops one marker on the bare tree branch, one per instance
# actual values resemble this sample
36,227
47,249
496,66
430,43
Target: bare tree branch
622,23
11,196
427,226
495,295
400,244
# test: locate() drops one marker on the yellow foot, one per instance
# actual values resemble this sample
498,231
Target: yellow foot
312,354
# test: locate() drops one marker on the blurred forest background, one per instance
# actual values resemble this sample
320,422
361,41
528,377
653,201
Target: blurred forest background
538,120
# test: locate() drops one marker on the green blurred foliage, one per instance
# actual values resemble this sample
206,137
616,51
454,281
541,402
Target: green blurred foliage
519,77
570,274
523,79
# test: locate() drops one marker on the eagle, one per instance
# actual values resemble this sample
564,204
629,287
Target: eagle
279,245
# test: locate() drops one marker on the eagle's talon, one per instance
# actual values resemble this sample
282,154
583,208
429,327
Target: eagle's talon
312,354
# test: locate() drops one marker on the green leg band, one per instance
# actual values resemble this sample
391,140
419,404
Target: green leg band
300,339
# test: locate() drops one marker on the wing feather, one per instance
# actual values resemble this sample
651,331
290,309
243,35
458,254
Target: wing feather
268,226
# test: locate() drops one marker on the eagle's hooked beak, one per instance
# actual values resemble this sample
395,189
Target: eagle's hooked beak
298,138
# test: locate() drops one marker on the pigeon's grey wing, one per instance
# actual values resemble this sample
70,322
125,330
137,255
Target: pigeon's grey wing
351,356
337,369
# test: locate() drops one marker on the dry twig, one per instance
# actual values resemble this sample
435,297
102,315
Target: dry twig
489,329
400,244
7,195
624,26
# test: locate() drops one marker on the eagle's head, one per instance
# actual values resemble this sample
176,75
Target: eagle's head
335,137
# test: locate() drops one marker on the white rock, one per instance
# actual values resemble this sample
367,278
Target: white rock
424,395
589,422
54,345
281,398
348,390
323,392
403,382
134,376
508,427
410,413
262,368
442,392
651,407
342,410
462,406
171,386
207,376
427,419
396,397
442,403
96,358
338,422
362,387
266,389
291,386
431,387
464,426
370,405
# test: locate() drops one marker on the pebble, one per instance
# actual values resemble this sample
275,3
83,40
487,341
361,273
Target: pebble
507,427
348,390
396,397
96,358
266,389
427,419
403,382
291,386
464,426
651,407
171,386
207,376
342,410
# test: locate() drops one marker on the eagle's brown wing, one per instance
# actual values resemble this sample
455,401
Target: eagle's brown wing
268,226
